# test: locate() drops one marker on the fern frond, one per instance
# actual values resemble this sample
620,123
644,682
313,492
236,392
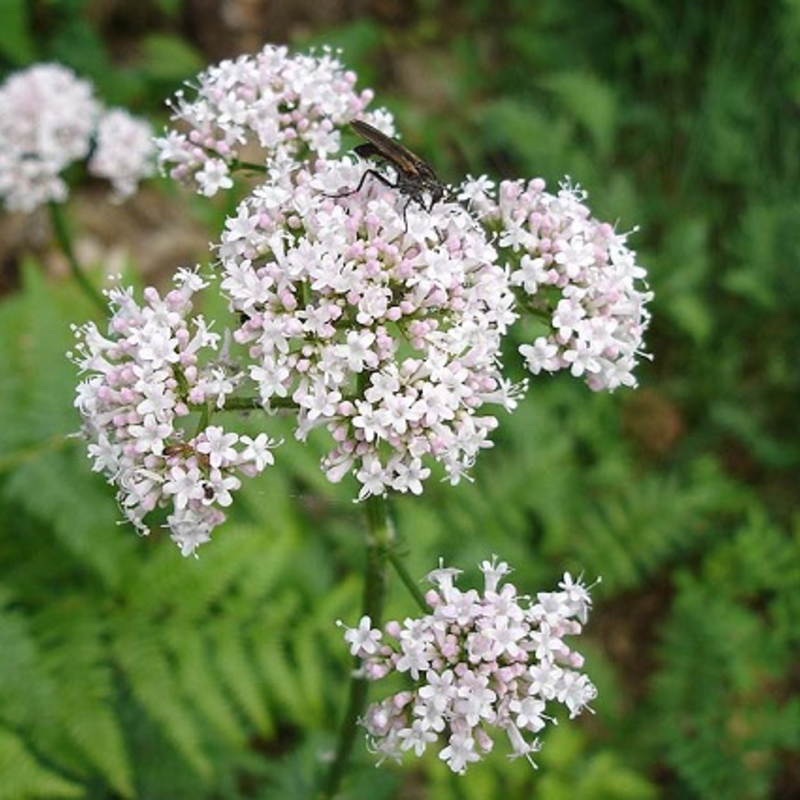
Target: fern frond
146,666
724,666
277,672
238,671
23,776
76,644
644,526
201,686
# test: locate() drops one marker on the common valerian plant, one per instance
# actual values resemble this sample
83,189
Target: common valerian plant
380,319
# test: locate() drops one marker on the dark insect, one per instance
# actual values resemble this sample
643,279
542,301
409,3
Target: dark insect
178,449
415,178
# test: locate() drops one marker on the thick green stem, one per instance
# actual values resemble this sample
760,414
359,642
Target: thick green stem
379,540
64,240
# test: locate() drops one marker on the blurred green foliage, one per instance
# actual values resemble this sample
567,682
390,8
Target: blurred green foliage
126,671
134,59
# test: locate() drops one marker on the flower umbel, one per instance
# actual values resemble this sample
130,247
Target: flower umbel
476,662
49,119
382,322
279,106
574,272
124,153
359,310
145,380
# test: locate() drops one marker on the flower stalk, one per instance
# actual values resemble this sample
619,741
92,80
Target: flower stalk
61,231
379,539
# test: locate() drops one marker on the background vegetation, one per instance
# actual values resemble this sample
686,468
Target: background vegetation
128,672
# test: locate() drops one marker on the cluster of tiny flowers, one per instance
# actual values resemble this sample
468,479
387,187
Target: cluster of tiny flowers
364,309
380,321
48,120
476,662
577,272
124,152
47,117
143,381
280,105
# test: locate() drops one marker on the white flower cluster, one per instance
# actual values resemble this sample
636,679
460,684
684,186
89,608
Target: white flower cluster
49,119
123,152
577,272
381,321
282,106
364,309
476,662
145,379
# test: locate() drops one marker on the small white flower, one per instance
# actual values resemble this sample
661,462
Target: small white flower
363,640
258,451
185,484
459,753
213,176
150,434
218,446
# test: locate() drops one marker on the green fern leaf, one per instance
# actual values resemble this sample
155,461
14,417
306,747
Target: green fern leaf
23,777
139,651
239,671
75,644
192,653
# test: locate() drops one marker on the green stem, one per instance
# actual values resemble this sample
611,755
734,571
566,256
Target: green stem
236,164
251,403
408,581
379,539
61,231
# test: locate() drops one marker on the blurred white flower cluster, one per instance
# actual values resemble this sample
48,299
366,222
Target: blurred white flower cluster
360,306
477,662
50,119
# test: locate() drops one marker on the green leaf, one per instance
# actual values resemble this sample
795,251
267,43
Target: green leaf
146,666
234,662
201,683
24,777
169,58
84,713
16,42
591,101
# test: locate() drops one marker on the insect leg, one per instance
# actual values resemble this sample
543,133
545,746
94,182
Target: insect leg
375,174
